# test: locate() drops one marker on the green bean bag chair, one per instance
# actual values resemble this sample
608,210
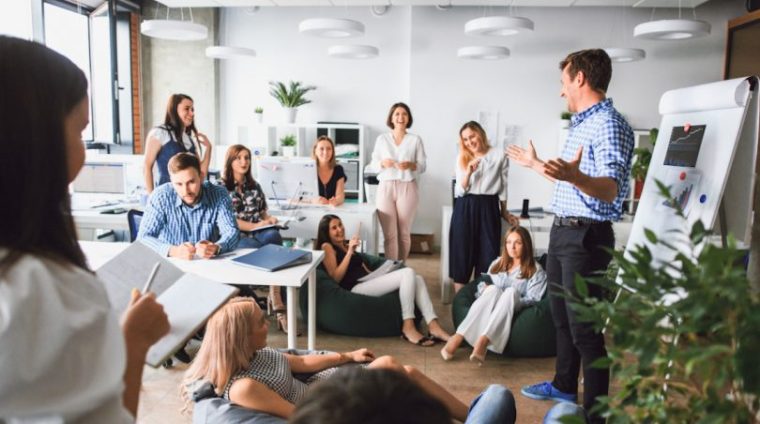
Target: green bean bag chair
533,333
341,312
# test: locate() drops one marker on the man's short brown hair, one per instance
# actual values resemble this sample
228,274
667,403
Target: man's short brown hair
182,161
595,65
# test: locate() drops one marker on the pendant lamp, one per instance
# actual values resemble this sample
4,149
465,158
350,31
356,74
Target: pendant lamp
353,52
177,30
331,27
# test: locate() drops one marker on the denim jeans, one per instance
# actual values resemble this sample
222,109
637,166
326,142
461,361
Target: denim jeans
260,238
495,405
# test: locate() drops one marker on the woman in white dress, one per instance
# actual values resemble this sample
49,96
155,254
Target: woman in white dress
517,282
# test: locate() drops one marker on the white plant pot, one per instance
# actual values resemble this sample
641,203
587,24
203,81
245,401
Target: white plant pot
290,114
288,151
259,117
564,124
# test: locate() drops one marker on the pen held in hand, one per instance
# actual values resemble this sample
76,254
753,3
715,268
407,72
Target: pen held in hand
151,277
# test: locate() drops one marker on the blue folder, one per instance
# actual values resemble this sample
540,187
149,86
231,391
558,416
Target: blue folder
272,257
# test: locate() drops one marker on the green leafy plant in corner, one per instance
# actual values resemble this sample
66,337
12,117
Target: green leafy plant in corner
642,156
291,95
565,115
684,344
288,140
259,109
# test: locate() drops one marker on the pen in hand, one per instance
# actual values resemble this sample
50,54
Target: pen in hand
151,278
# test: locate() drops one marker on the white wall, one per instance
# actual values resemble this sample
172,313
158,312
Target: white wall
418,64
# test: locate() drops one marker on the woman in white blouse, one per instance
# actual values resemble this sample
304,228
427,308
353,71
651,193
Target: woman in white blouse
400,158
480,203
63,357
517,283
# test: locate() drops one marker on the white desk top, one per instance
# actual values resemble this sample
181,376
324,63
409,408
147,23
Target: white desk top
220,269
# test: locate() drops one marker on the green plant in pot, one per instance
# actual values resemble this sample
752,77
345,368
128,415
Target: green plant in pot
683,333
288,144
641,158
565,119
290,96
259,111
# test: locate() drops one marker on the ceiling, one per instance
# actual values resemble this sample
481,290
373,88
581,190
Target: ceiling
442,3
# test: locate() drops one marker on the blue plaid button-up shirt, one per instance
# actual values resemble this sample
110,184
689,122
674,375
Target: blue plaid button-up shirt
607,142
168,221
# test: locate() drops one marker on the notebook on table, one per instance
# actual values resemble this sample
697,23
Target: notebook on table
272,257
188,300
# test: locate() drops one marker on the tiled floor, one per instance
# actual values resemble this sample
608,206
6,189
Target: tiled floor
160,401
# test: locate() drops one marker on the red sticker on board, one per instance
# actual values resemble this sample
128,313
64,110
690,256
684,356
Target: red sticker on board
687,127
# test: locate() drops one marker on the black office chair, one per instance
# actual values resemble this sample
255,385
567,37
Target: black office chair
134,217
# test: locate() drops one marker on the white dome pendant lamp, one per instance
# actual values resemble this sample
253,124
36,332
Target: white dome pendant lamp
229,52
672,29
498,25
169,29
331,27
625,54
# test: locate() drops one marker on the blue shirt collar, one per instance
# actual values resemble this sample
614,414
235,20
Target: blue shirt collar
581,116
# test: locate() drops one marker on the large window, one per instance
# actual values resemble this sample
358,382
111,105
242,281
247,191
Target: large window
67,32
84,36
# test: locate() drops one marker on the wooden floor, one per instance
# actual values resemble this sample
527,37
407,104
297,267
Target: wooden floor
160,402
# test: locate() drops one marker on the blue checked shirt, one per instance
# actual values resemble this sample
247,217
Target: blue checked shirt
607,142
168,221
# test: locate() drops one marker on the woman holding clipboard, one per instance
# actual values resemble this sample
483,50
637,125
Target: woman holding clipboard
348,269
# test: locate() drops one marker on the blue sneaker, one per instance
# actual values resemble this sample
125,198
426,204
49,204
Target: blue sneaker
545,391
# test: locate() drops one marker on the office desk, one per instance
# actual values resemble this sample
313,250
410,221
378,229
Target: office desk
352,215
223,270
89,220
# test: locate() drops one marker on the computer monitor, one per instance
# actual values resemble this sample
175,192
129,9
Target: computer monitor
288,179
101,177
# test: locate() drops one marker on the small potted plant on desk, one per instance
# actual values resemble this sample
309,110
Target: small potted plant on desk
564,120
288,144
259,111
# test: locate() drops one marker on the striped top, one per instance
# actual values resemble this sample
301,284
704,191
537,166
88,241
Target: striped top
607,142
272,369
168,221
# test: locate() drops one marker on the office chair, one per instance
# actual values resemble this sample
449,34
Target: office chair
134,217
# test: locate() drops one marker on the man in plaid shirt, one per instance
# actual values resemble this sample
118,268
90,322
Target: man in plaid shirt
591,181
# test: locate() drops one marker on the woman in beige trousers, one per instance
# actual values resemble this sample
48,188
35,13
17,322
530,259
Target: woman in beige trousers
400,158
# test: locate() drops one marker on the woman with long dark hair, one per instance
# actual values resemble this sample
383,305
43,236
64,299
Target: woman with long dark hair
347,268
63,356
249,202
517,282
177,135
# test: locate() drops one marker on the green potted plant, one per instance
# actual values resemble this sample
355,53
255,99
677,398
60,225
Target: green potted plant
564,119
259,111
288,144
683,334
290,96
641,158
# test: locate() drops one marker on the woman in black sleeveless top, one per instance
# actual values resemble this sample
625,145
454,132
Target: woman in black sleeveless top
346,267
